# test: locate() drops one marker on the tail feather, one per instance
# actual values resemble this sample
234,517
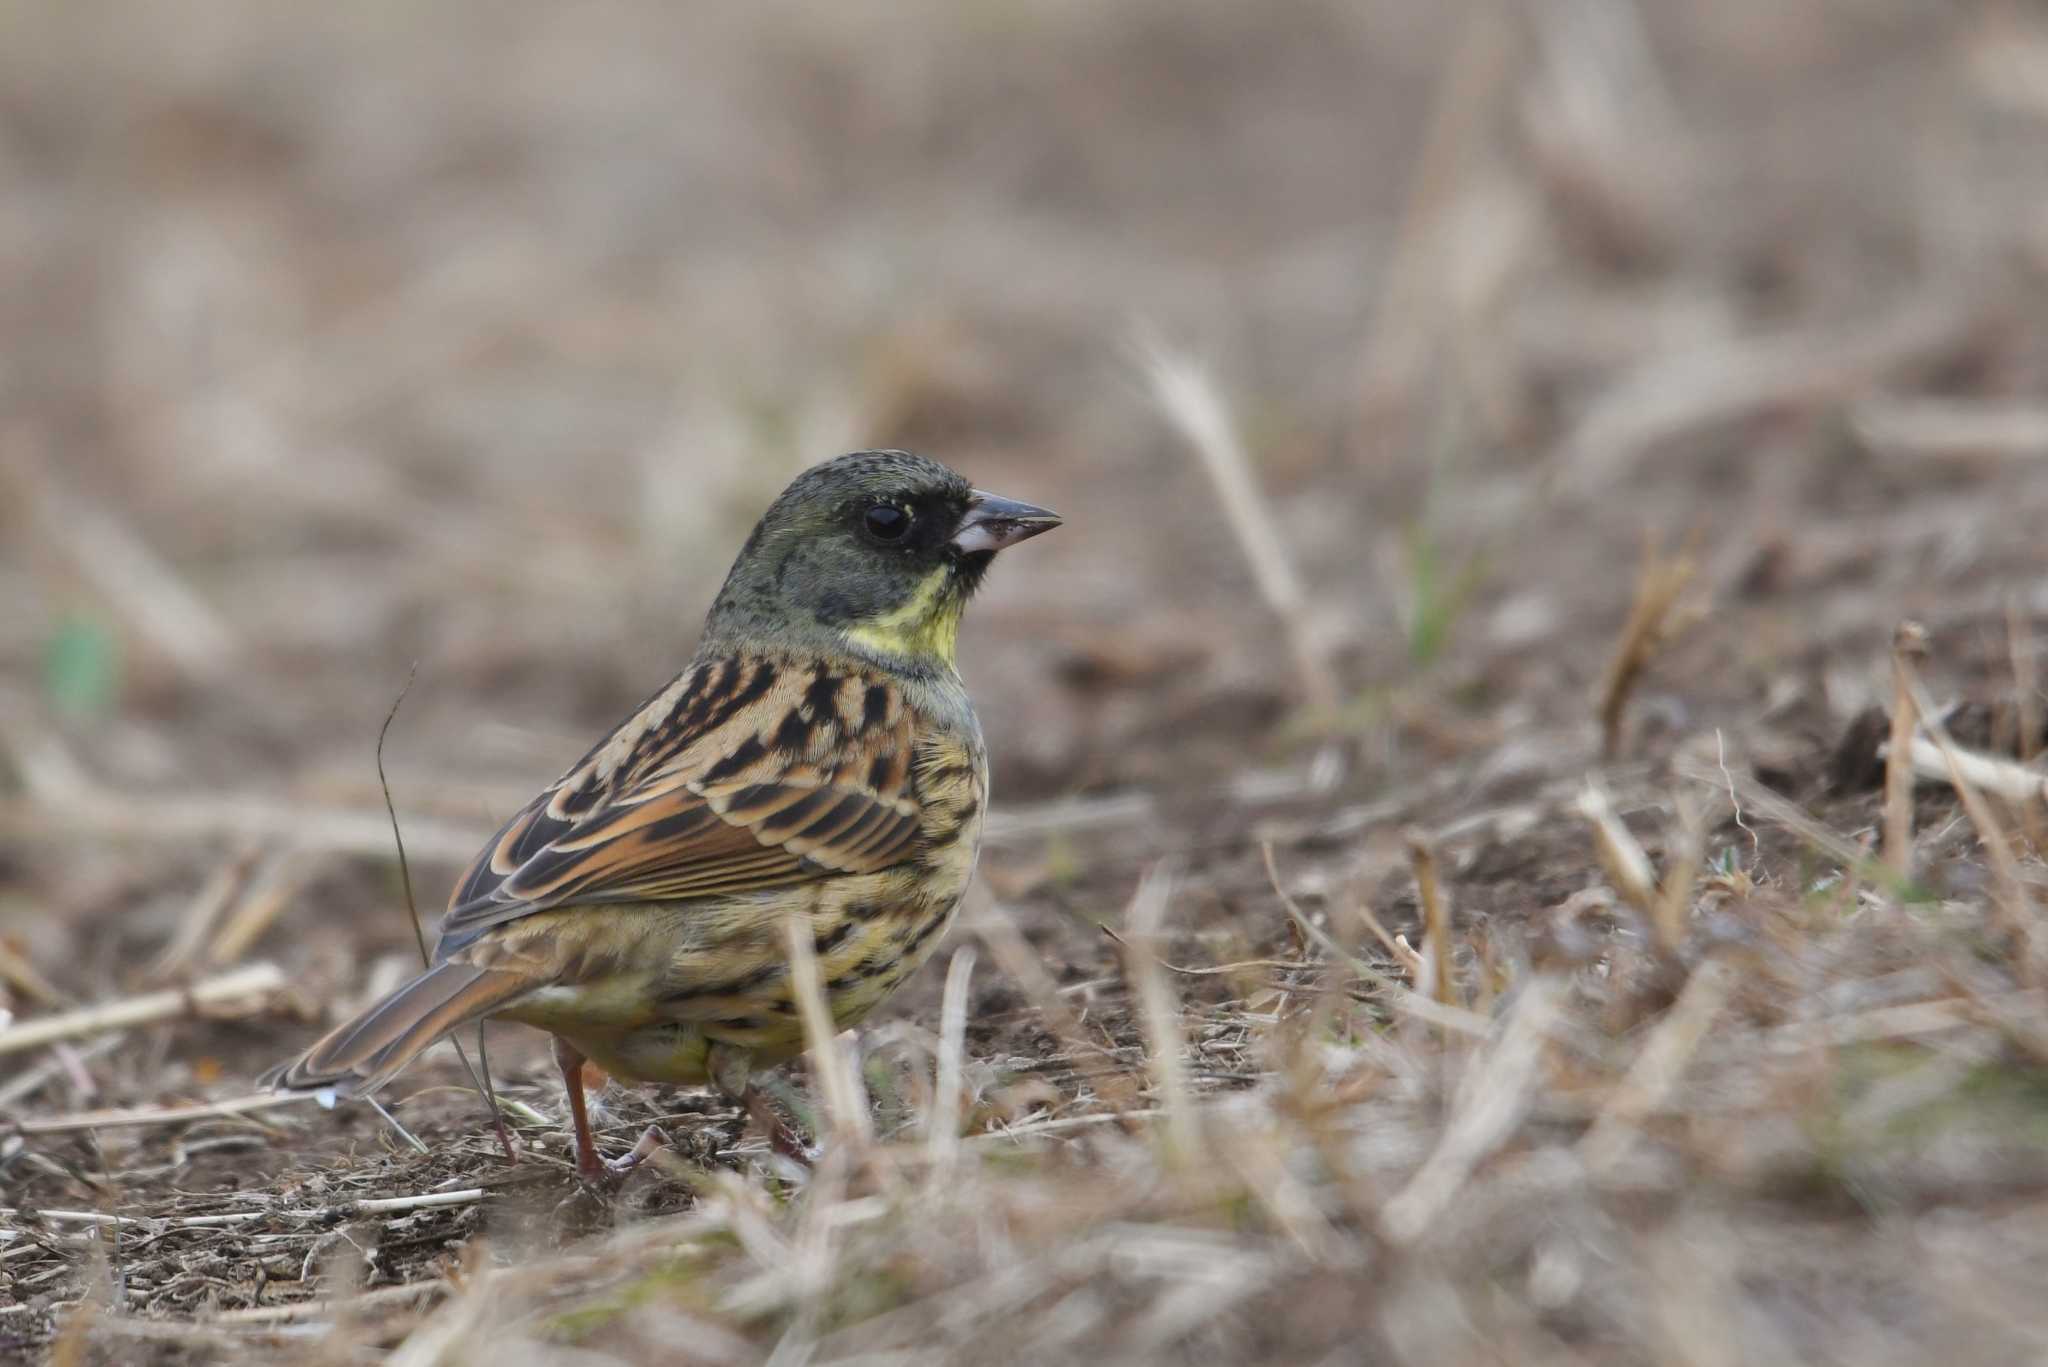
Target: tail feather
361,1055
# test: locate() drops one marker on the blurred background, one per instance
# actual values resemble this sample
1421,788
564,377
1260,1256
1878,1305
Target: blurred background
341,338
476,335
335,339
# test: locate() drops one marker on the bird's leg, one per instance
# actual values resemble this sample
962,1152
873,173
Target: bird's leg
570,1060
591,1167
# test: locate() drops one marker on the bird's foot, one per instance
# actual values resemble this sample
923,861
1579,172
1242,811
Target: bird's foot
783,1137
608,1174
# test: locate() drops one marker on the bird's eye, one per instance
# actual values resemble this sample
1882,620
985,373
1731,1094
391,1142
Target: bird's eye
887,522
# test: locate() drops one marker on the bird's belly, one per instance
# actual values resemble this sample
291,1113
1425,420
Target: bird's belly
654,1013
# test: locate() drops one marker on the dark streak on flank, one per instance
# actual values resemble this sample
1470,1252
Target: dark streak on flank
924,932
765,974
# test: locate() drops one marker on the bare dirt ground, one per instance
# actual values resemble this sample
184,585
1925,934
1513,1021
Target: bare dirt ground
338,339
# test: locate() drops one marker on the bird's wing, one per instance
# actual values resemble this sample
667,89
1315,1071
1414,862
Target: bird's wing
745,773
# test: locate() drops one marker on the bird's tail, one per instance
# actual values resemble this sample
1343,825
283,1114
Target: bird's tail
361,1055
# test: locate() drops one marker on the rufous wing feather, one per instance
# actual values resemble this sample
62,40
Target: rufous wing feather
744,774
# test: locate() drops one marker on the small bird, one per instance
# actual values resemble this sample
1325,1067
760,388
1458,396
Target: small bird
818,759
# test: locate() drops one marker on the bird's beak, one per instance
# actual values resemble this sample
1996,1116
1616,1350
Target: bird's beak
993,522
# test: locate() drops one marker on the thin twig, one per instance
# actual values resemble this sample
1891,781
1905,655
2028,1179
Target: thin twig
340,1210
124,1116
241,992
479,1072
296,1311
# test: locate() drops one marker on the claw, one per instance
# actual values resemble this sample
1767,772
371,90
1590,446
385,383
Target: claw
783,1137
610,1173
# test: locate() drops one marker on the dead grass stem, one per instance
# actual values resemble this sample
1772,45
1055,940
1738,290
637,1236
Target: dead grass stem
1652,621
240,991
1909,647
1195,406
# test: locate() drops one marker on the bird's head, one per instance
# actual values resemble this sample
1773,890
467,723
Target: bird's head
876,553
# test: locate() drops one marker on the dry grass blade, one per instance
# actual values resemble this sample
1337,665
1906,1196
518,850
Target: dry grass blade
1159,1009
842,1095
271,889
298,1312
29,1081
1014,955
1651,624
1911,1021
1759,801
1909,648
1951,429
1669,396
2014,905
1623,858
1492,1098
1933,756
124,1116
1196,408
1399,949
942,1125
155,601
1657,1069
1436,918
1459,120
240,992
21,975
1687,852
374,1205
441,1336
203,914
2026,680
90,812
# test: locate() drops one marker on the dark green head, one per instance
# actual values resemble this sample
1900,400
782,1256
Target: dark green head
876,553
